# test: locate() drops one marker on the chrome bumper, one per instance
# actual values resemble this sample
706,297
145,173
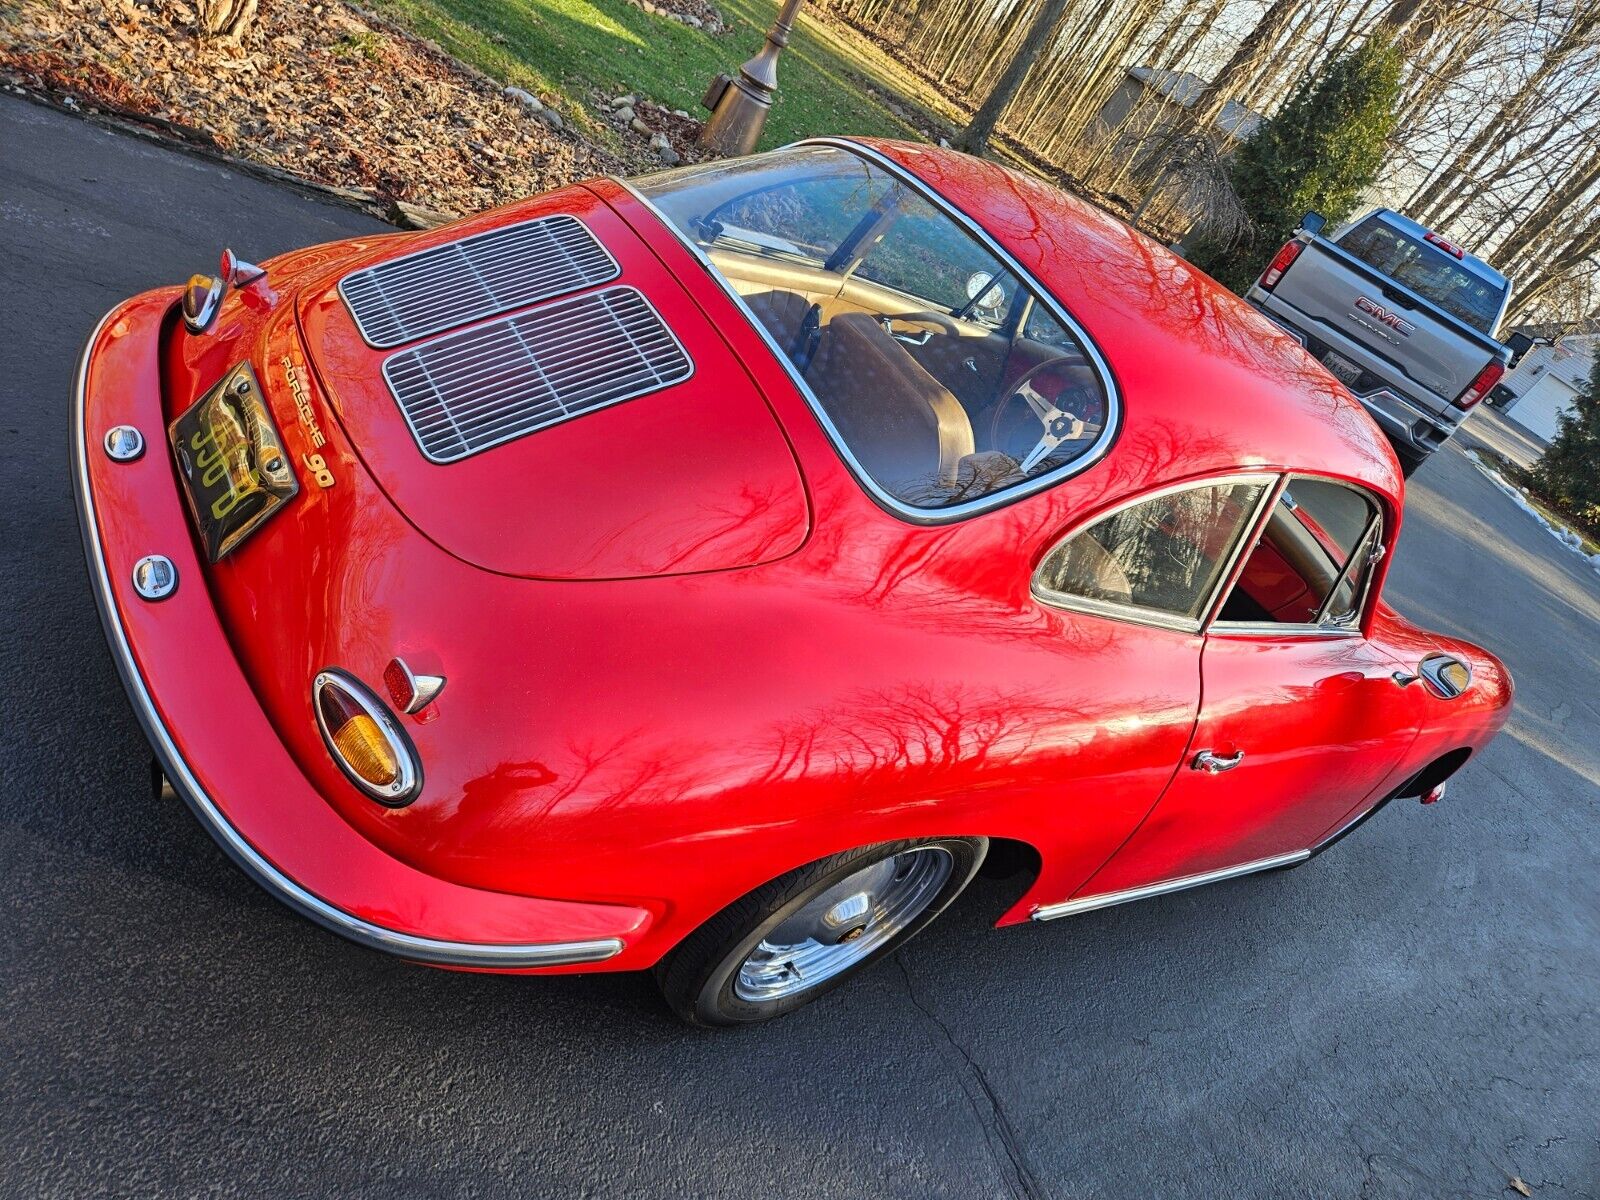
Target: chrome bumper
409,946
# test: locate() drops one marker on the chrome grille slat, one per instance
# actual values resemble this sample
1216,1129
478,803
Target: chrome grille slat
474,388
481,276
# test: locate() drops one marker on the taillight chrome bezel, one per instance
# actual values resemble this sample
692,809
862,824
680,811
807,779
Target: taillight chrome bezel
408,779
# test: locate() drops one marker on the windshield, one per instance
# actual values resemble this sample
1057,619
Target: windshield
943,377
1430,272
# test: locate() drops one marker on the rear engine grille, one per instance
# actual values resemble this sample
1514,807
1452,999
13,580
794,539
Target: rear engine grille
440,288
467,391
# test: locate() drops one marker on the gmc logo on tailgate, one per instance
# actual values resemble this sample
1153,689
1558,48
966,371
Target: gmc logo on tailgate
1377,311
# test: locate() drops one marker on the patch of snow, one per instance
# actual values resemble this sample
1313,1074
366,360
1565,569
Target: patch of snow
1567,537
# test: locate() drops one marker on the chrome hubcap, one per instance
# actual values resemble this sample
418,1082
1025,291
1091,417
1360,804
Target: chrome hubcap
844,925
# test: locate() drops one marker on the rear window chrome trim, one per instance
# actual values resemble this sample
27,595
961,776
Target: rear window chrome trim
885,499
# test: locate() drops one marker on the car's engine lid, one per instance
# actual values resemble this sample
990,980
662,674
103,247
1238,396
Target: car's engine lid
600,428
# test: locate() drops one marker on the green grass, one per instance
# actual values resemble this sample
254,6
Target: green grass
566,49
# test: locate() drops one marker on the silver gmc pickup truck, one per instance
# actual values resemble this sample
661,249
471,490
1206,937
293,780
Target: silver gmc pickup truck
1405,319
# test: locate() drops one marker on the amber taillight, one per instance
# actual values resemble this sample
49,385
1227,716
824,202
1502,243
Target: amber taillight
365,739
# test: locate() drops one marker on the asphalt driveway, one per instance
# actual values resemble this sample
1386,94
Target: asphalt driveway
1412,1015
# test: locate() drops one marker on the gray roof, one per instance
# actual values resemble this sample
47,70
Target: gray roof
1184,88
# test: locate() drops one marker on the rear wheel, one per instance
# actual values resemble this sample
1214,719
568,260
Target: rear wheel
805,933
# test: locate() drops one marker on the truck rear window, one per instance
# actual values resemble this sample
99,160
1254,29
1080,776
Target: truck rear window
1426,270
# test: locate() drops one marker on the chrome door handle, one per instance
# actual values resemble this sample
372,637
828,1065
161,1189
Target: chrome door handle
1213,764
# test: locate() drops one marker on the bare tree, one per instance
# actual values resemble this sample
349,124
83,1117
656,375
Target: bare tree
975,138
227,19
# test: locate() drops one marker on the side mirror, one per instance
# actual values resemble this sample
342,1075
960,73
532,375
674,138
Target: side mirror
1519,344
1313,223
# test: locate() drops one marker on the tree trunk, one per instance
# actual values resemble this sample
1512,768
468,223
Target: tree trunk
227,19
1574,38
1559,200
1244,61
975,138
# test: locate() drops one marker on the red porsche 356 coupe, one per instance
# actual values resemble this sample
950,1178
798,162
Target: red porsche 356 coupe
705,573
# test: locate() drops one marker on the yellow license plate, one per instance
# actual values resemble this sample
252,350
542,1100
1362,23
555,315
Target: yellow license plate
235,470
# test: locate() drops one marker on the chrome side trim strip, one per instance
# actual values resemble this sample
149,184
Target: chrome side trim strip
244,855
885,499
1067,908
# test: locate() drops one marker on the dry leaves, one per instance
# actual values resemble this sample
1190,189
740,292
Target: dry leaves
321,90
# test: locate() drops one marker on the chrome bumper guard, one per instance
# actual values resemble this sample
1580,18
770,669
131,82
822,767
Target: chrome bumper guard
253,864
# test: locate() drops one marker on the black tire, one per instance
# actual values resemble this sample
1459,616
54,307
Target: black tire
1410,461
697,978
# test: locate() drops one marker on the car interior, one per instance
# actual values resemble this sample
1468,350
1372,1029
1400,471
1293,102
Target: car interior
1163,555
926,399
945,378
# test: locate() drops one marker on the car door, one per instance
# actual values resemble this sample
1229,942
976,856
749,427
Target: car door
1301,717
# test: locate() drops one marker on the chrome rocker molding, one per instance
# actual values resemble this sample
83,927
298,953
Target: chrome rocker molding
244,855
1049,912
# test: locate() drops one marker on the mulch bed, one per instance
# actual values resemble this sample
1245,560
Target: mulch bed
323,91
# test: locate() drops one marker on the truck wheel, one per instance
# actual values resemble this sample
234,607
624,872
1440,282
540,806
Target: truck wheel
1409,461
805,933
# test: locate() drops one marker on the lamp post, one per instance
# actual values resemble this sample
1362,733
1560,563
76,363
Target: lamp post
739,106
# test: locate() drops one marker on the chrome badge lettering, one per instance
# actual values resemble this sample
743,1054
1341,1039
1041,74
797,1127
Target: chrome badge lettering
315,463
1381,314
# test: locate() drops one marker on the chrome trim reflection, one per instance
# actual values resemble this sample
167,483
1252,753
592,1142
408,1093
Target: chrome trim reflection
1049,912
124,444
245,856
885,499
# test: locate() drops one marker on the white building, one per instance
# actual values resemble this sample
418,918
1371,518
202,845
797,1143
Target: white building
1549,379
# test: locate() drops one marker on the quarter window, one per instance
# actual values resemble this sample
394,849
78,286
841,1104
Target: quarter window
1310,565
1163,556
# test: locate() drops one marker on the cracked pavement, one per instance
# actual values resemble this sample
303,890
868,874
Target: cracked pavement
1411,1015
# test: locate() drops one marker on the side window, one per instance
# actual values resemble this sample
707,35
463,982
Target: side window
1311,563
1163,556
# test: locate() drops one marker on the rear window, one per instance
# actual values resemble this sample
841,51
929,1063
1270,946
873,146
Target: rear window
1426,270
944,378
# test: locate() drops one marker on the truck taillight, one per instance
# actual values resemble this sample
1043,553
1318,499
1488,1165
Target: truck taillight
1279,264
1480,387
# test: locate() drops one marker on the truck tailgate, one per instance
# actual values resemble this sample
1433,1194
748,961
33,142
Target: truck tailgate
1383,328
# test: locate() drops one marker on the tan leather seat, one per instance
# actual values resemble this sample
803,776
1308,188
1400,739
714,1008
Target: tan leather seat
906,429
782,313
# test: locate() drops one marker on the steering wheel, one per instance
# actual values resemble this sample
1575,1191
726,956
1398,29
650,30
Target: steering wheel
1070,417
807,339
